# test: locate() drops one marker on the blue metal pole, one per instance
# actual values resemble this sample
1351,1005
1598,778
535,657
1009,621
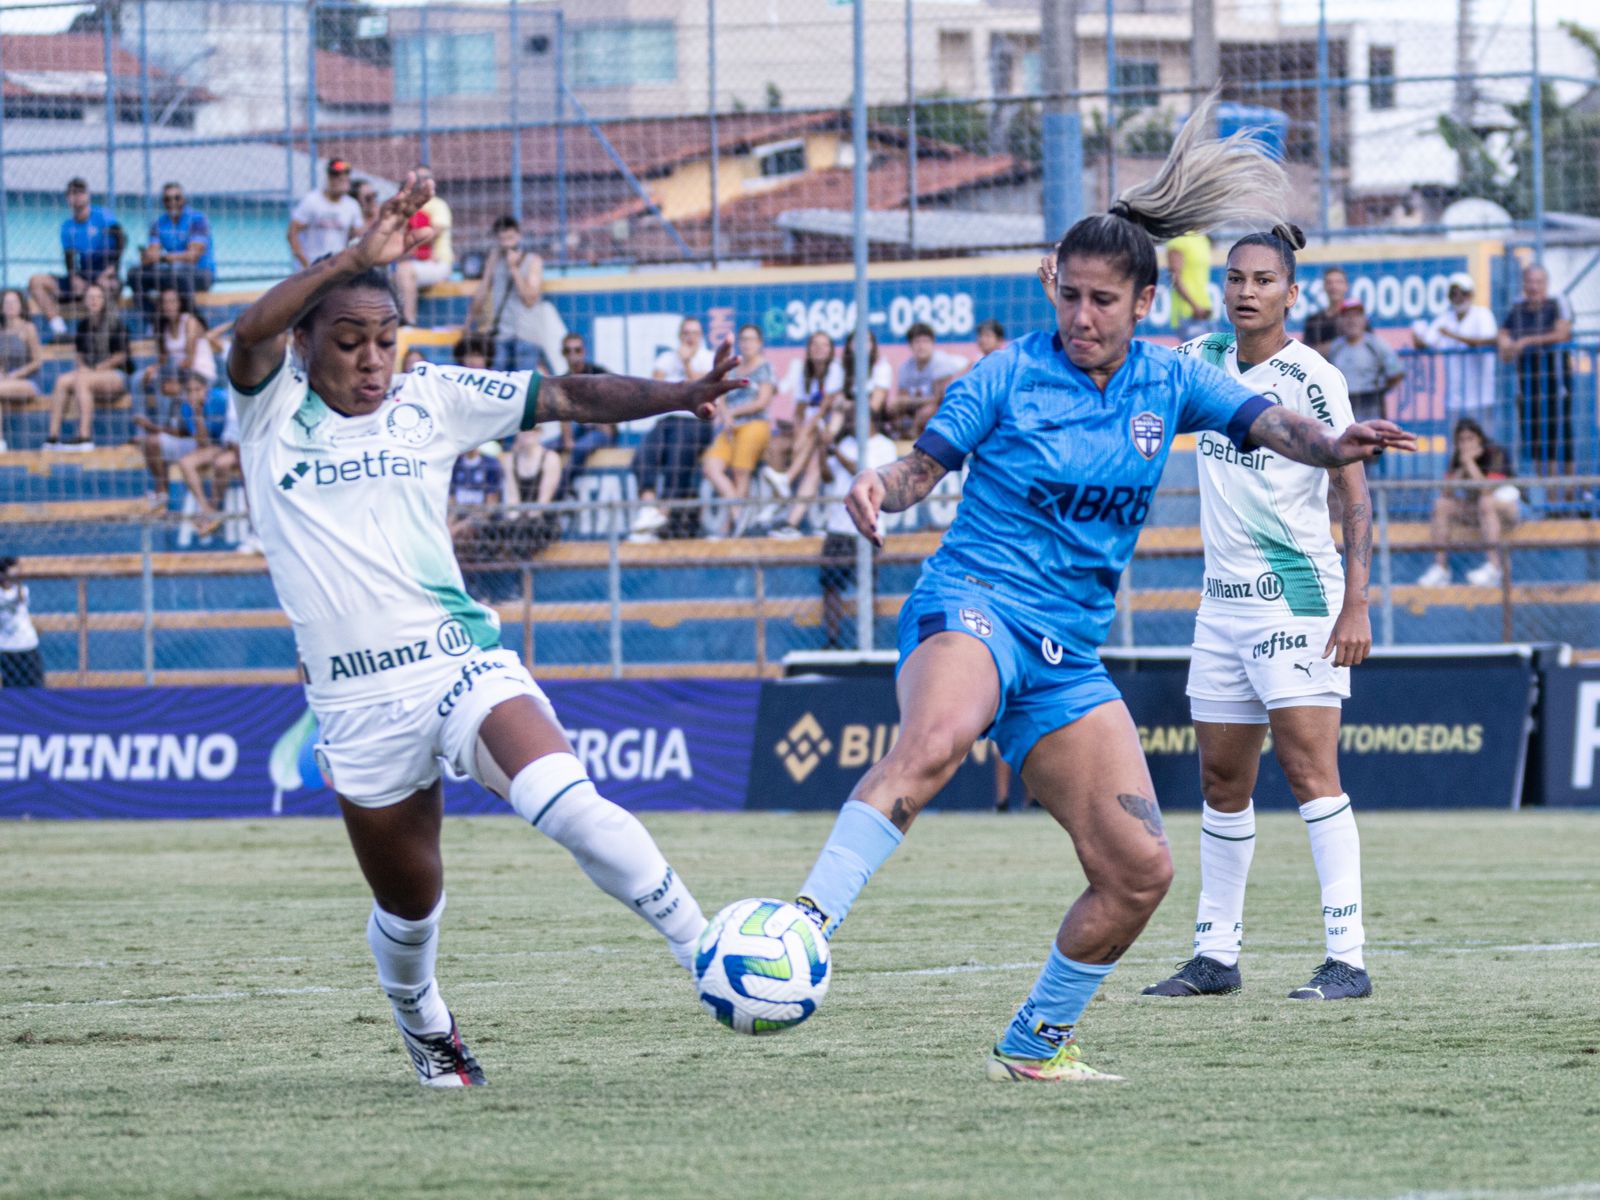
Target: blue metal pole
5,257
1324,147
711,123
561,136
288,118
311,87
144,99
865,606
1111,101
1537,121
424,147
516,115
911,132
107,37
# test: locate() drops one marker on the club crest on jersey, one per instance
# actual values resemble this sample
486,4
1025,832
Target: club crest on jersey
1148,432
409,424
977,622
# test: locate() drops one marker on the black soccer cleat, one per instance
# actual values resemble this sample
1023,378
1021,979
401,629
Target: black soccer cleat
1335,980
442,1060
1200,976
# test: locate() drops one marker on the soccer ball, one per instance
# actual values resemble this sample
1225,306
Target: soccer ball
761,966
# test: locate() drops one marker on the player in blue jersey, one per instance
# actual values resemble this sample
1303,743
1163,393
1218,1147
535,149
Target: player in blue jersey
1064,434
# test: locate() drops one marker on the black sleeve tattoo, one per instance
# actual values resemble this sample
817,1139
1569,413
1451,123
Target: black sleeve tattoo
1294,436
1356,521
906,481
1144,809
605,399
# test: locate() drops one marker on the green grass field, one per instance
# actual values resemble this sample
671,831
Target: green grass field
189,1010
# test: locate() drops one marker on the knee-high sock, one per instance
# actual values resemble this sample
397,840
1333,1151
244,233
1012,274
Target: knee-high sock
861,842
555,795
1336,849
406,952
1227,844
1047,1017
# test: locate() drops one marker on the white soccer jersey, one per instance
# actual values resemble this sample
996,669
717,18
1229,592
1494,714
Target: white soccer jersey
351,512
1263,517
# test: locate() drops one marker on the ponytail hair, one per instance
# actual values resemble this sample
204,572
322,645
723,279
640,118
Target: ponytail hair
1283,241
1205,182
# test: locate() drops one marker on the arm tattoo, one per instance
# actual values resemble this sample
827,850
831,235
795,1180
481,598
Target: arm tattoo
1294,436
604,399
907,480
902,812
1356,520
1144,809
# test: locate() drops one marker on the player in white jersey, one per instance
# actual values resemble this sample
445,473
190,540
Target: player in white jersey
347,469
1279,627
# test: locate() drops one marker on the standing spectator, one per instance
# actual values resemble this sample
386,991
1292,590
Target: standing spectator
20,662
743,426
1322,326
506,304
1366,361
1189,265
919,387
91,247
102,363
991,337
366,195
579,441
21,356
666,459
1530,336
431,262
326,219
838,570
176,431
1464,332
177,255
182,349
1492,511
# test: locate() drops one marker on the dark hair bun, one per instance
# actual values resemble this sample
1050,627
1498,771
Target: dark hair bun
1292,234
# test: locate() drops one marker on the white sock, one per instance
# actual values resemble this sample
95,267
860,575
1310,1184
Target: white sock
1336,849
406,951
1227,844
555,796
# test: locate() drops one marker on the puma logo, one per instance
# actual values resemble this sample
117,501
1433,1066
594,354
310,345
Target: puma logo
1306,667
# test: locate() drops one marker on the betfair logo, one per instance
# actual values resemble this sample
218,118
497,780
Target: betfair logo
294,476
382,465
803,748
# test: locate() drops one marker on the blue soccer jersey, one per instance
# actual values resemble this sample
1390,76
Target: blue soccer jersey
1062,475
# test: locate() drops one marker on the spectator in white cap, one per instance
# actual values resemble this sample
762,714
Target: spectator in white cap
1467,332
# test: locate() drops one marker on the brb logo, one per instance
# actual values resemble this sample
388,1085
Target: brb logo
1125,506
803,748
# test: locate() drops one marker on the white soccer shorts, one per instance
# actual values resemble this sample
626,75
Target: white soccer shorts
378,755
1245,664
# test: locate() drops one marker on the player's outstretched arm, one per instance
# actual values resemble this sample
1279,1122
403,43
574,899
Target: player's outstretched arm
1308,441
1351,639
605,399
894,488
261,333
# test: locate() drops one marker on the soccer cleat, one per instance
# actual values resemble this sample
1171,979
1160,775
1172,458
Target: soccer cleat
1335,980
1200,976
1066,1065
442,1060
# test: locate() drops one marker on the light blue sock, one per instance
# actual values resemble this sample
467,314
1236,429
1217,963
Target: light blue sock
861,842
1058,999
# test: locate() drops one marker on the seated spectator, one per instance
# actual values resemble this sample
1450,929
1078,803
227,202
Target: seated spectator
1464,326
579,441
212,461
666,461
177,255
817,383
1491,512
919,387
991,337
413,356
841,464
326,219
880,378
21,355
100,370
431,262
176,430
20,662
472,350
506,305
182,349
366,195
1366,361
476,482
743,428
91,247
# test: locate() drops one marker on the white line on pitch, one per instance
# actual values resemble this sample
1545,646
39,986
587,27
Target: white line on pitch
1560,1191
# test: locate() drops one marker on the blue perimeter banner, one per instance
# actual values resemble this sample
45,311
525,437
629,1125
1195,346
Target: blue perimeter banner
247,751
1569,736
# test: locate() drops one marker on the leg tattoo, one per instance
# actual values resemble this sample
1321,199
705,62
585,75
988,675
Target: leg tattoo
1144,809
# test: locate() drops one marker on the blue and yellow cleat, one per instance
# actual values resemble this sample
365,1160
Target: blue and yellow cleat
1066,1065
1335,980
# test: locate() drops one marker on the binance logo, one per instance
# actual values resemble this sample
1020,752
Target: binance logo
290,478
803,747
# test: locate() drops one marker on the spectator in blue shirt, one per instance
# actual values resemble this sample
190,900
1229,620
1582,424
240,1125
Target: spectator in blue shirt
178,254
91,245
